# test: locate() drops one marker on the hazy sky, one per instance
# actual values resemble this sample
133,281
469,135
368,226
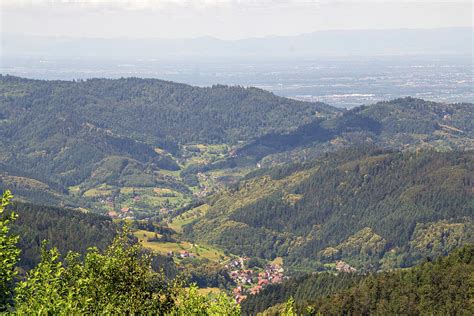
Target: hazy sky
225,19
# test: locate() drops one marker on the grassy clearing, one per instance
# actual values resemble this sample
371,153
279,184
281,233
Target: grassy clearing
200,251
96,192
74,189
161,151
173,173
165,191
127,190
151,198
278,261
203,153
143,235
187,217
209,290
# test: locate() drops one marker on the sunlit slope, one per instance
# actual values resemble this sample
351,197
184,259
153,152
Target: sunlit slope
366,206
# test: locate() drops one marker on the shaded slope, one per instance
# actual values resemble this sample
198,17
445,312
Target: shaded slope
395,124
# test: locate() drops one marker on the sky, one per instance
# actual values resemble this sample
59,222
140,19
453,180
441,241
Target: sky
224,19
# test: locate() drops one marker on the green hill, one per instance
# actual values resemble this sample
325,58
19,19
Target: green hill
128,131
76,136
440,287
399,124
372,208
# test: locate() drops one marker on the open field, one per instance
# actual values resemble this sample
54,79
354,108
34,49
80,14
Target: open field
149,200
278,261
102,190
199,250
204,153
187,217
209,290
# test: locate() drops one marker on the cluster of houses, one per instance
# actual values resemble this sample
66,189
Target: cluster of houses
251,282
107,200
204,190
124,212
182,254
341,266
110,201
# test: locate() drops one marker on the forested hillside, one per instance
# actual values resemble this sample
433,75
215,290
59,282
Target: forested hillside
443,286
144,149
157,112
66,230
302,288
396,124
372,208
221,178
67,137
103,144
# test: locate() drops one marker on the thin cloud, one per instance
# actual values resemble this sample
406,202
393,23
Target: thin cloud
229,19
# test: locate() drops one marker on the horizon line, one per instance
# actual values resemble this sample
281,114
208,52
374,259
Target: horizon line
210,37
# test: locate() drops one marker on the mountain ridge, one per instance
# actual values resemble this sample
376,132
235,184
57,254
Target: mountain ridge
437,41
61,133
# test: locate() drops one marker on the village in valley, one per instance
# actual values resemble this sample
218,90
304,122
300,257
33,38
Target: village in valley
252,281
160,205
248,281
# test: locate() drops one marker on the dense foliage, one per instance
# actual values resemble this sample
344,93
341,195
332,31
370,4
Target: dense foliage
442,287
205,273
114,282
68,230
302,288
155,110
60,139
64,229
119,280
8,252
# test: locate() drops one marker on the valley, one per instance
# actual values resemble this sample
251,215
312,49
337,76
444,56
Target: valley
236,189
236,158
